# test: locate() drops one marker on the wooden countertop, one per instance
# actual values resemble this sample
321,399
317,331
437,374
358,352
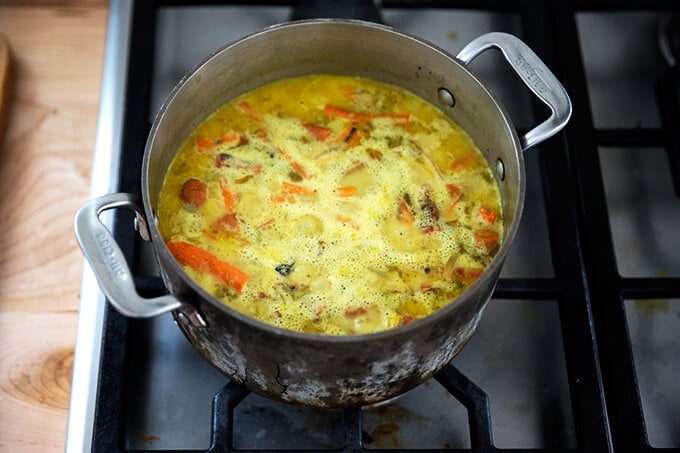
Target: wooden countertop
57,55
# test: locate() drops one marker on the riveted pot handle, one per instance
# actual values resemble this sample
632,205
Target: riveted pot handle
108,262
536,76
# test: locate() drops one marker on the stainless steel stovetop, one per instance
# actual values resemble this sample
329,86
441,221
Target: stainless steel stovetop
518,355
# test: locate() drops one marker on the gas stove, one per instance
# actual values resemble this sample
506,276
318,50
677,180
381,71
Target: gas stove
579,349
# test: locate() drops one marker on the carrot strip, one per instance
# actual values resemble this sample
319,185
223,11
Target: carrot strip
228,138
282,198
319,132
463,162
348,191
344,134
454,190
354,138
452,206
248,109
267,224
228,197
299,169
405,215
288,187
201,260
205,144
488,214
337,112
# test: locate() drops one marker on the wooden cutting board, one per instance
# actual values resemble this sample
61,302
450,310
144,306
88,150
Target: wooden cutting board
5,75
56,56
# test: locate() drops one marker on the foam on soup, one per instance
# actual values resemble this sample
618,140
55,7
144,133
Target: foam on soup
332,205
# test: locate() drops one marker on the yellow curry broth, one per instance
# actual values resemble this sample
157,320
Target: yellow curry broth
331,204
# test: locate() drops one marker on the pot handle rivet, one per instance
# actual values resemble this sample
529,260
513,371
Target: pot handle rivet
446,97
535,75
500,169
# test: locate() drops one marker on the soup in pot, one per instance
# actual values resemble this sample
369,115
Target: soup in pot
331,205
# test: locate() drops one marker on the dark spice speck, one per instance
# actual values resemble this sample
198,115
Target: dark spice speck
284,269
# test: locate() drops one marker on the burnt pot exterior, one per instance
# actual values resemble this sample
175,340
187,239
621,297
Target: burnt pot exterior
332,372
317,370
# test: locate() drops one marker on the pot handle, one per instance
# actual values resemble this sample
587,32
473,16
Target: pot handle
109,265
535,75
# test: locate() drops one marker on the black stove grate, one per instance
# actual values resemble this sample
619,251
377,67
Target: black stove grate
606,406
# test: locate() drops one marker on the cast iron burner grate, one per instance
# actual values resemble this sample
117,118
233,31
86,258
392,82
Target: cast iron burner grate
474,399
589,290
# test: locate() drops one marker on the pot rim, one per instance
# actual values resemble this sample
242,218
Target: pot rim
404,330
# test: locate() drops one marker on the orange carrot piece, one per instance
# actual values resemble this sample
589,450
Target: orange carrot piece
231,137
337,112
267,224
486,238
348,191
344,134
405,215
354,138
289,187
297,168
488,214
464,162
201,260
332,110
205,144
282,198
452,206
319,132
453,190
468,274
250,111
228,197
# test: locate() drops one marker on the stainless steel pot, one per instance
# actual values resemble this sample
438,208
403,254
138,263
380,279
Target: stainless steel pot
309,369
